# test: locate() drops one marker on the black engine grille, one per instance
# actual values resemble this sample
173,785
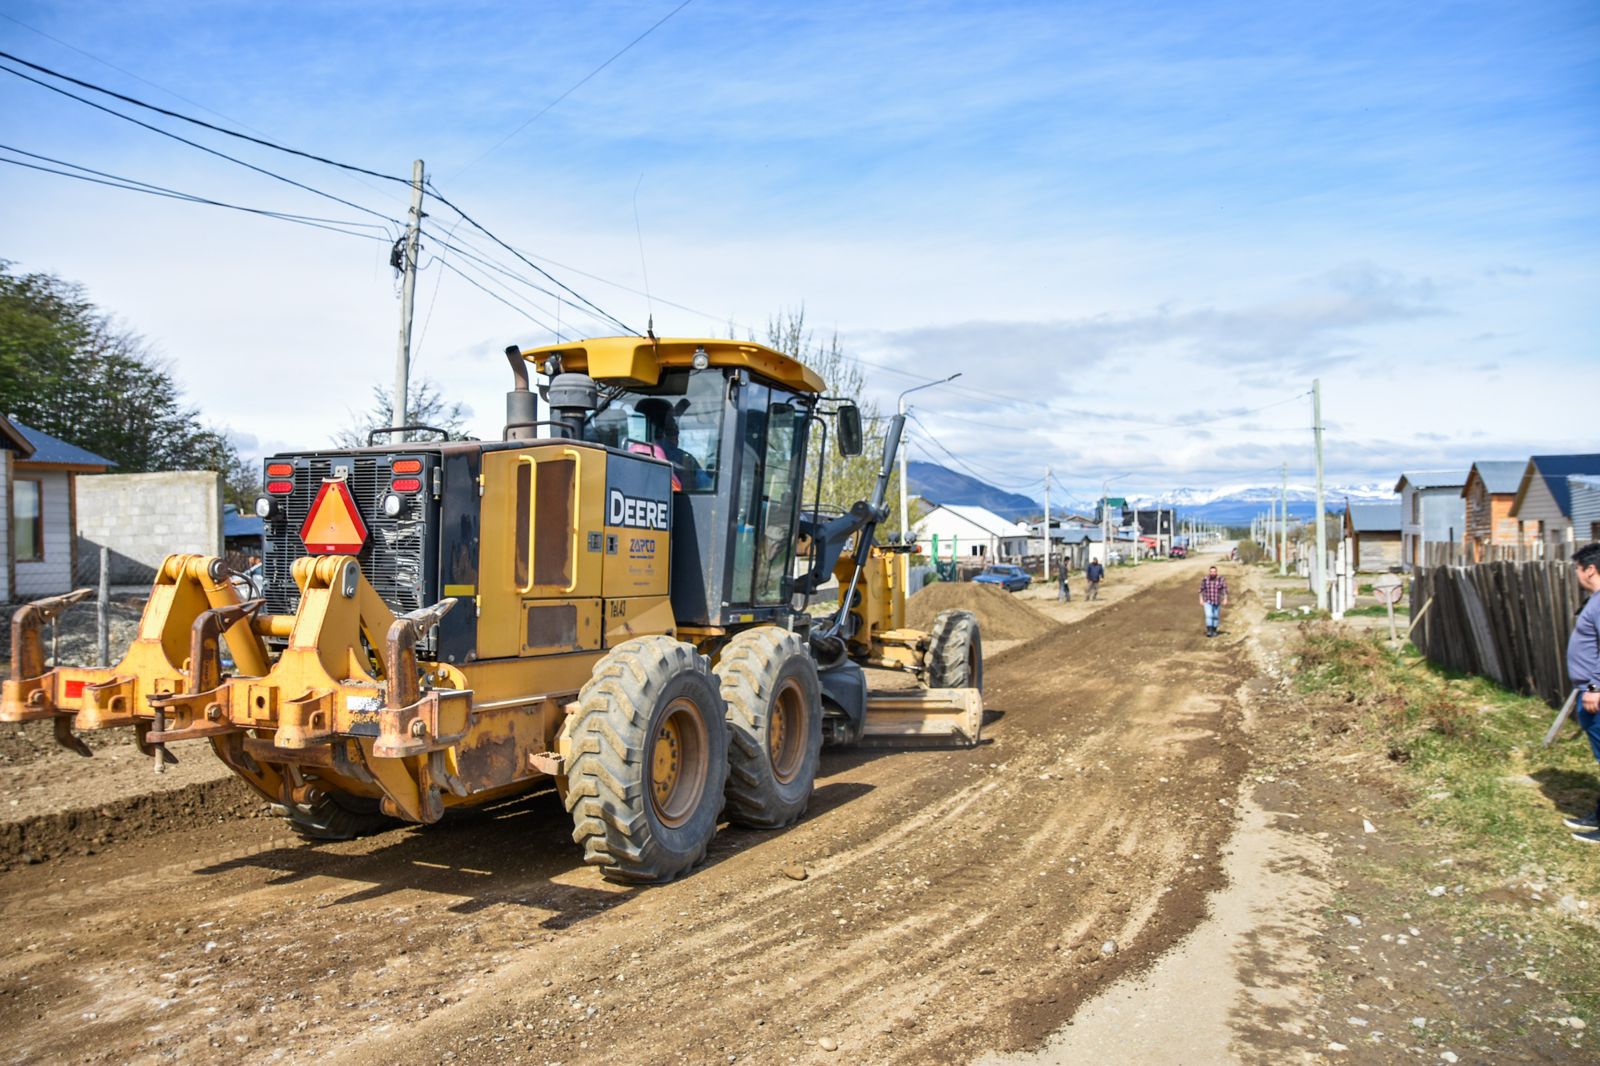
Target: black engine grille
395,556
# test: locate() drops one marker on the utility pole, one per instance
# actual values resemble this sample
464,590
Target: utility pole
1283,524
1320,563
1138,539
1048,543
408,294
905,506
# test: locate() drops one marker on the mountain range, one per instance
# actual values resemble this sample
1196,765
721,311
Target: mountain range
1225,505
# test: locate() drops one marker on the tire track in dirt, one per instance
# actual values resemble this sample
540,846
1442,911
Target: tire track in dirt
925,931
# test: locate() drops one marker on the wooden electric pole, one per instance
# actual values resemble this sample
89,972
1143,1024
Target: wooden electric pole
408,292
1320,563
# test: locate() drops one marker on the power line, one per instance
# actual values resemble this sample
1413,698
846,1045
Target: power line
196,144
192,120
97,177
574,88
475,224
522,304
494,295
490,263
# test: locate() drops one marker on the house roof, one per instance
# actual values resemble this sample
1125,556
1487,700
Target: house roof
1431,479
11,438
986,520
1555,469
55,451
1375,517
1500,476
235,524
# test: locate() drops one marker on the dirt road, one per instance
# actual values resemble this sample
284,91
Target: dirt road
953,901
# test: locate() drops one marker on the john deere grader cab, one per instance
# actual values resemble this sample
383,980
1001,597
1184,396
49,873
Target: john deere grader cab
613,596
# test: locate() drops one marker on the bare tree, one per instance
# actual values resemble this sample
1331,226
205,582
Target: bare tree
425,406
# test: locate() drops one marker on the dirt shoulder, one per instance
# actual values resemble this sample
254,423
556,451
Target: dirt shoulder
1375,913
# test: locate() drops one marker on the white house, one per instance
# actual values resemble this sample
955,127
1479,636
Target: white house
1545,496
40,510
960,531
1432,511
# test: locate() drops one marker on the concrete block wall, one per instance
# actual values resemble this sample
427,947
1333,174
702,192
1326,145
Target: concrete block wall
143,518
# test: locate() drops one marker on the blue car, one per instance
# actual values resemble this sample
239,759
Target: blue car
1010,578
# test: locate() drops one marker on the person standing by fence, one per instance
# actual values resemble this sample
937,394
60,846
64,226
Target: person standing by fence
1213,598
1583,668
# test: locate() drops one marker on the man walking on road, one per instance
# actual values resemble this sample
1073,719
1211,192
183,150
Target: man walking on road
1093,574
1213,598
1583,667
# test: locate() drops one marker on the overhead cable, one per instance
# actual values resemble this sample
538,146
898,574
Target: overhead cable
114,181
195,121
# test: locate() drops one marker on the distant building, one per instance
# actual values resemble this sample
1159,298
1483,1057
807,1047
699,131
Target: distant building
1374,531
1431,512
1545,496
1490,491
971,531
38,510
1585,507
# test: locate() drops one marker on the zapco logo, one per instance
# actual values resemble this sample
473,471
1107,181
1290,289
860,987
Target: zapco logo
634,513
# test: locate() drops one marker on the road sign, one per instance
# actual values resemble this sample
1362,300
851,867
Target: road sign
333,526
1388,588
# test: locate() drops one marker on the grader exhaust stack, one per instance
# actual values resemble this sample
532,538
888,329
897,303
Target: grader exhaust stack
610,606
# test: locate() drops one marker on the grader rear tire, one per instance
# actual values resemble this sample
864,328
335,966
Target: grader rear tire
955,651
328,817
774,701
649,761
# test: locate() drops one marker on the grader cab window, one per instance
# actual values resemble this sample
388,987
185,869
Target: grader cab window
768,495
680,420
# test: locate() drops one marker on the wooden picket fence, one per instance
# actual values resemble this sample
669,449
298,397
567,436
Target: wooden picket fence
1501,620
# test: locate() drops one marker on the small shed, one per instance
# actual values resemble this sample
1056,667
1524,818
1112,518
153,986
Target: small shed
1432,513
1545,496
42,513
1374,531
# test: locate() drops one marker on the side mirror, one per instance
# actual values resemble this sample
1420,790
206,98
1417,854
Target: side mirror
850,442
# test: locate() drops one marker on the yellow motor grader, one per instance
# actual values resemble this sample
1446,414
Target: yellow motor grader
613,596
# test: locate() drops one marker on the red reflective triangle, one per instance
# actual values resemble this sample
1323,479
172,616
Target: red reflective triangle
333,526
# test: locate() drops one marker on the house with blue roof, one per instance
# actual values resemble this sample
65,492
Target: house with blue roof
1544,495
1431,513
1373,530
1490,491
38,518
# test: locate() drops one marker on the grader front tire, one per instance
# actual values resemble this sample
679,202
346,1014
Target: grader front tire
649,761
774,724
955,651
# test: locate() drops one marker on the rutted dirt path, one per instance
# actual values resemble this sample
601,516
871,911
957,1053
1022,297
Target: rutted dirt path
955,901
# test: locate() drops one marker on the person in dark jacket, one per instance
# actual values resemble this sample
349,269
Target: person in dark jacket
1094,573
1583,668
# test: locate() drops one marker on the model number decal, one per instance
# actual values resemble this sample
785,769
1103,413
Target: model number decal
641,546
635,513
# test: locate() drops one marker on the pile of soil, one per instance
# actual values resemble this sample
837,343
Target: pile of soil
1001,616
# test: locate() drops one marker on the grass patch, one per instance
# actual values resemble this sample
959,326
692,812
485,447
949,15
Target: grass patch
1472,756
1378,610
1297,616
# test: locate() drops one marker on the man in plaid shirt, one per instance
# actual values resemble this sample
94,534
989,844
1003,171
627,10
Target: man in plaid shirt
1213,598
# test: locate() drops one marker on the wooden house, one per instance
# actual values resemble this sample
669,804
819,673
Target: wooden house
1544,496
1490,491
1374,532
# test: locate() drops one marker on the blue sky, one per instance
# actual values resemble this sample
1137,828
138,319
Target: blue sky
1106,216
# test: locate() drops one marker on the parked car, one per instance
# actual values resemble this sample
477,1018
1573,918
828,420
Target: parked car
1178,551
1010,578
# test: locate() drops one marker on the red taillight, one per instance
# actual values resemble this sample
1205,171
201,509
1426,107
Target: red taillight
406,484
280,488
407,466
280,470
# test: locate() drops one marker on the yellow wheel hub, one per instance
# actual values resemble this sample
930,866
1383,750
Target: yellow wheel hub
678,763
786,732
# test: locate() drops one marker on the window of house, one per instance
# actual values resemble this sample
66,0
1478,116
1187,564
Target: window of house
28,535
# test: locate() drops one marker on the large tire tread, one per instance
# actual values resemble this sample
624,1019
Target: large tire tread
752,666
949,665
330,818
606,780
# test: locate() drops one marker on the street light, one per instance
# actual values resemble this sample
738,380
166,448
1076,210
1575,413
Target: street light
1105,516
905,509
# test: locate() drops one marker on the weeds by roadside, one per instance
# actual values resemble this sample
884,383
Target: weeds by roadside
1485,793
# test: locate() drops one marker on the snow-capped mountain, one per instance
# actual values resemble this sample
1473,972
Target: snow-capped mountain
1238,504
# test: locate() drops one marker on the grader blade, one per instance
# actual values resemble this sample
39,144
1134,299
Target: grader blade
924,715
